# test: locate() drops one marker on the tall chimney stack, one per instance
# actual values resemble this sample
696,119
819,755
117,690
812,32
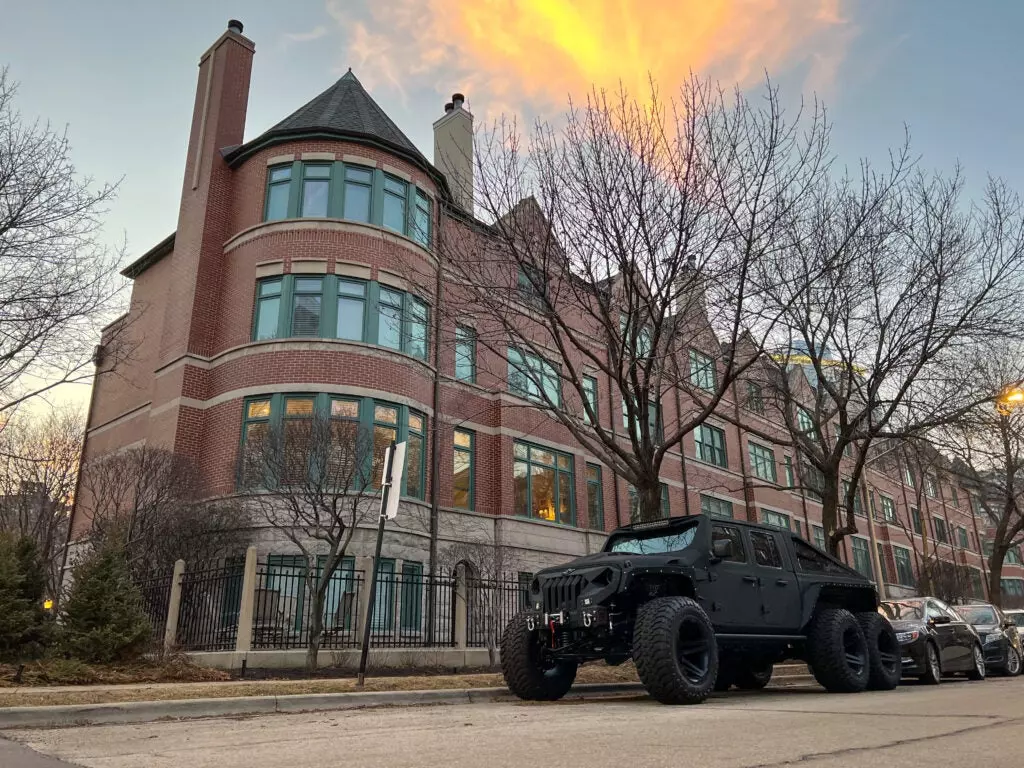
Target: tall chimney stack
453,149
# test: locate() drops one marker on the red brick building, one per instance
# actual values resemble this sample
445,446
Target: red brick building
283,292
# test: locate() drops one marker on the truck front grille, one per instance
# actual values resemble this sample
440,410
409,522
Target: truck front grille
561,592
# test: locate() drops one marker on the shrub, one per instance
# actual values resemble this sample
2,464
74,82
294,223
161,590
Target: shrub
103,619
24,625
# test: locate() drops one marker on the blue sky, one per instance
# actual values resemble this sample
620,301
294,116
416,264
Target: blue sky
122,75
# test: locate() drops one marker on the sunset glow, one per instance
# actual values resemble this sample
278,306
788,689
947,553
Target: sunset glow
545,50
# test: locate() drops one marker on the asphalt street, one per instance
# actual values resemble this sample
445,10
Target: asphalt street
958,723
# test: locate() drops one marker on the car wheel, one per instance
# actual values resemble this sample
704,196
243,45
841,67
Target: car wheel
932,665
978,672
529,673
754,677
1013,663
884,659
837,651
675,650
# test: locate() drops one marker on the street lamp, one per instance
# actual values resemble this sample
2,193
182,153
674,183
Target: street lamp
1010,399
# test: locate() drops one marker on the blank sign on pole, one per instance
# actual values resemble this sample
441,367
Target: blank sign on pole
397,466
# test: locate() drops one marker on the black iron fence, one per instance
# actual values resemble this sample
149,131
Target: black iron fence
211,596
283,606
490,606
405,603
155,590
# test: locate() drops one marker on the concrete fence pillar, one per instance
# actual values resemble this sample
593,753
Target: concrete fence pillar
173,607
461,606
243,640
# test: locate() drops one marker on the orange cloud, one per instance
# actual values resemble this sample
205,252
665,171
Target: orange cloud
508,51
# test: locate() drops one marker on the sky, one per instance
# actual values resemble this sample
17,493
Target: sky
121,75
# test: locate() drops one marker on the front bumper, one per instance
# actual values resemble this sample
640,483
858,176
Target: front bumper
589,618
914,657
996,653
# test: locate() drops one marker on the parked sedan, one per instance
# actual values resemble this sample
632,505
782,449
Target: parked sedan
1002,643
1016,615
934,640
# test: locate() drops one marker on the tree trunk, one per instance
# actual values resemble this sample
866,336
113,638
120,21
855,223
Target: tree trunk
995,575
316,624
648,502
830,514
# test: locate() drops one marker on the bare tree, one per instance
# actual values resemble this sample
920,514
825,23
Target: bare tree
891,292
620,249
311,479
38,469
988,444
151,502
57,279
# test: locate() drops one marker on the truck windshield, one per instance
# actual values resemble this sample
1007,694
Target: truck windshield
654,542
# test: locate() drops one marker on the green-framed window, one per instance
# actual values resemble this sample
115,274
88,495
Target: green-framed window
595,498
931,486
762,462
818,534
710,442
776,519
544,486
465,354
279,182
702,371
337,190
882,564
804,422
862,556
532,284
634,502
713,507
977,590
941,533
787,461
653,420
955,496
755,398
410,610
331,307
292,413
286,575
1012,556
798,527
533,377
590,394
916,521
267,323
965,542
464,447
858,504
908,477
904,566
888,509
384,600
1012,587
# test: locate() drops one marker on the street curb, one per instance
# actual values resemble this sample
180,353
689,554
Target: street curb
239,706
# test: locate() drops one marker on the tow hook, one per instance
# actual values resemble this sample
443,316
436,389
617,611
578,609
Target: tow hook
530,623
588,619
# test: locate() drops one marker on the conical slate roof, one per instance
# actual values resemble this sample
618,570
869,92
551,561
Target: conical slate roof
345,108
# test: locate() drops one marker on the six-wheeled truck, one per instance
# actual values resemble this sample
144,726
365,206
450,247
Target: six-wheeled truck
701,604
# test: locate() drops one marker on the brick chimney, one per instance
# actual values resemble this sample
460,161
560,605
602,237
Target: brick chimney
453,149
218,121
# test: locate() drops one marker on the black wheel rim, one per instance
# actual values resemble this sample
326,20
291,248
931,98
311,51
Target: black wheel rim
853,650
693,650
888,652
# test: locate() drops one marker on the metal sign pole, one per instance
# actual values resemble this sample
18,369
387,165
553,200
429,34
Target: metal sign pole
388,466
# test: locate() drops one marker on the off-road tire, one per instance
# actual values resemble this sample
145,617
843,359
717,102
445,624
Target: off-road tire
885,665
526,673
837,651
978,672
666,629
754,677
932,665
1014,663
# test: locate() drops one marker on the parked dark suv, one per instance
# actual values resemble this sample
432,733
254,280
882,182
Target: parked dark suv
696,601
935,640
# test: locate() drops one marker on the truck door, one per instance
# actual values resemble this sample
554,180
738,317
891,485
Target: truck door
731,597
779,591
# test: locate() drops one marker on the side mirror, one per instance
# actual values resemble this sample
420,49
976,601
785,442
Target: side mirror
939,620
722,549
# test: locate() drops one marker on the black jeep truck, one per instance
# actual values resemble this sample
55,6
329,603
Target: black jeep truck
700,604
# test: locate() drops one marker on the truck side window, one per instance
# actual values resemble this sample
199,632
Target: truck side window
766,551
813,561
719,532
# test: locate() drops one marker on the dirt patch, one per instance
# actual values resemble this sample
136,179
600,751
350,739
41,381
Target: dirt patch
35,697
56,671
